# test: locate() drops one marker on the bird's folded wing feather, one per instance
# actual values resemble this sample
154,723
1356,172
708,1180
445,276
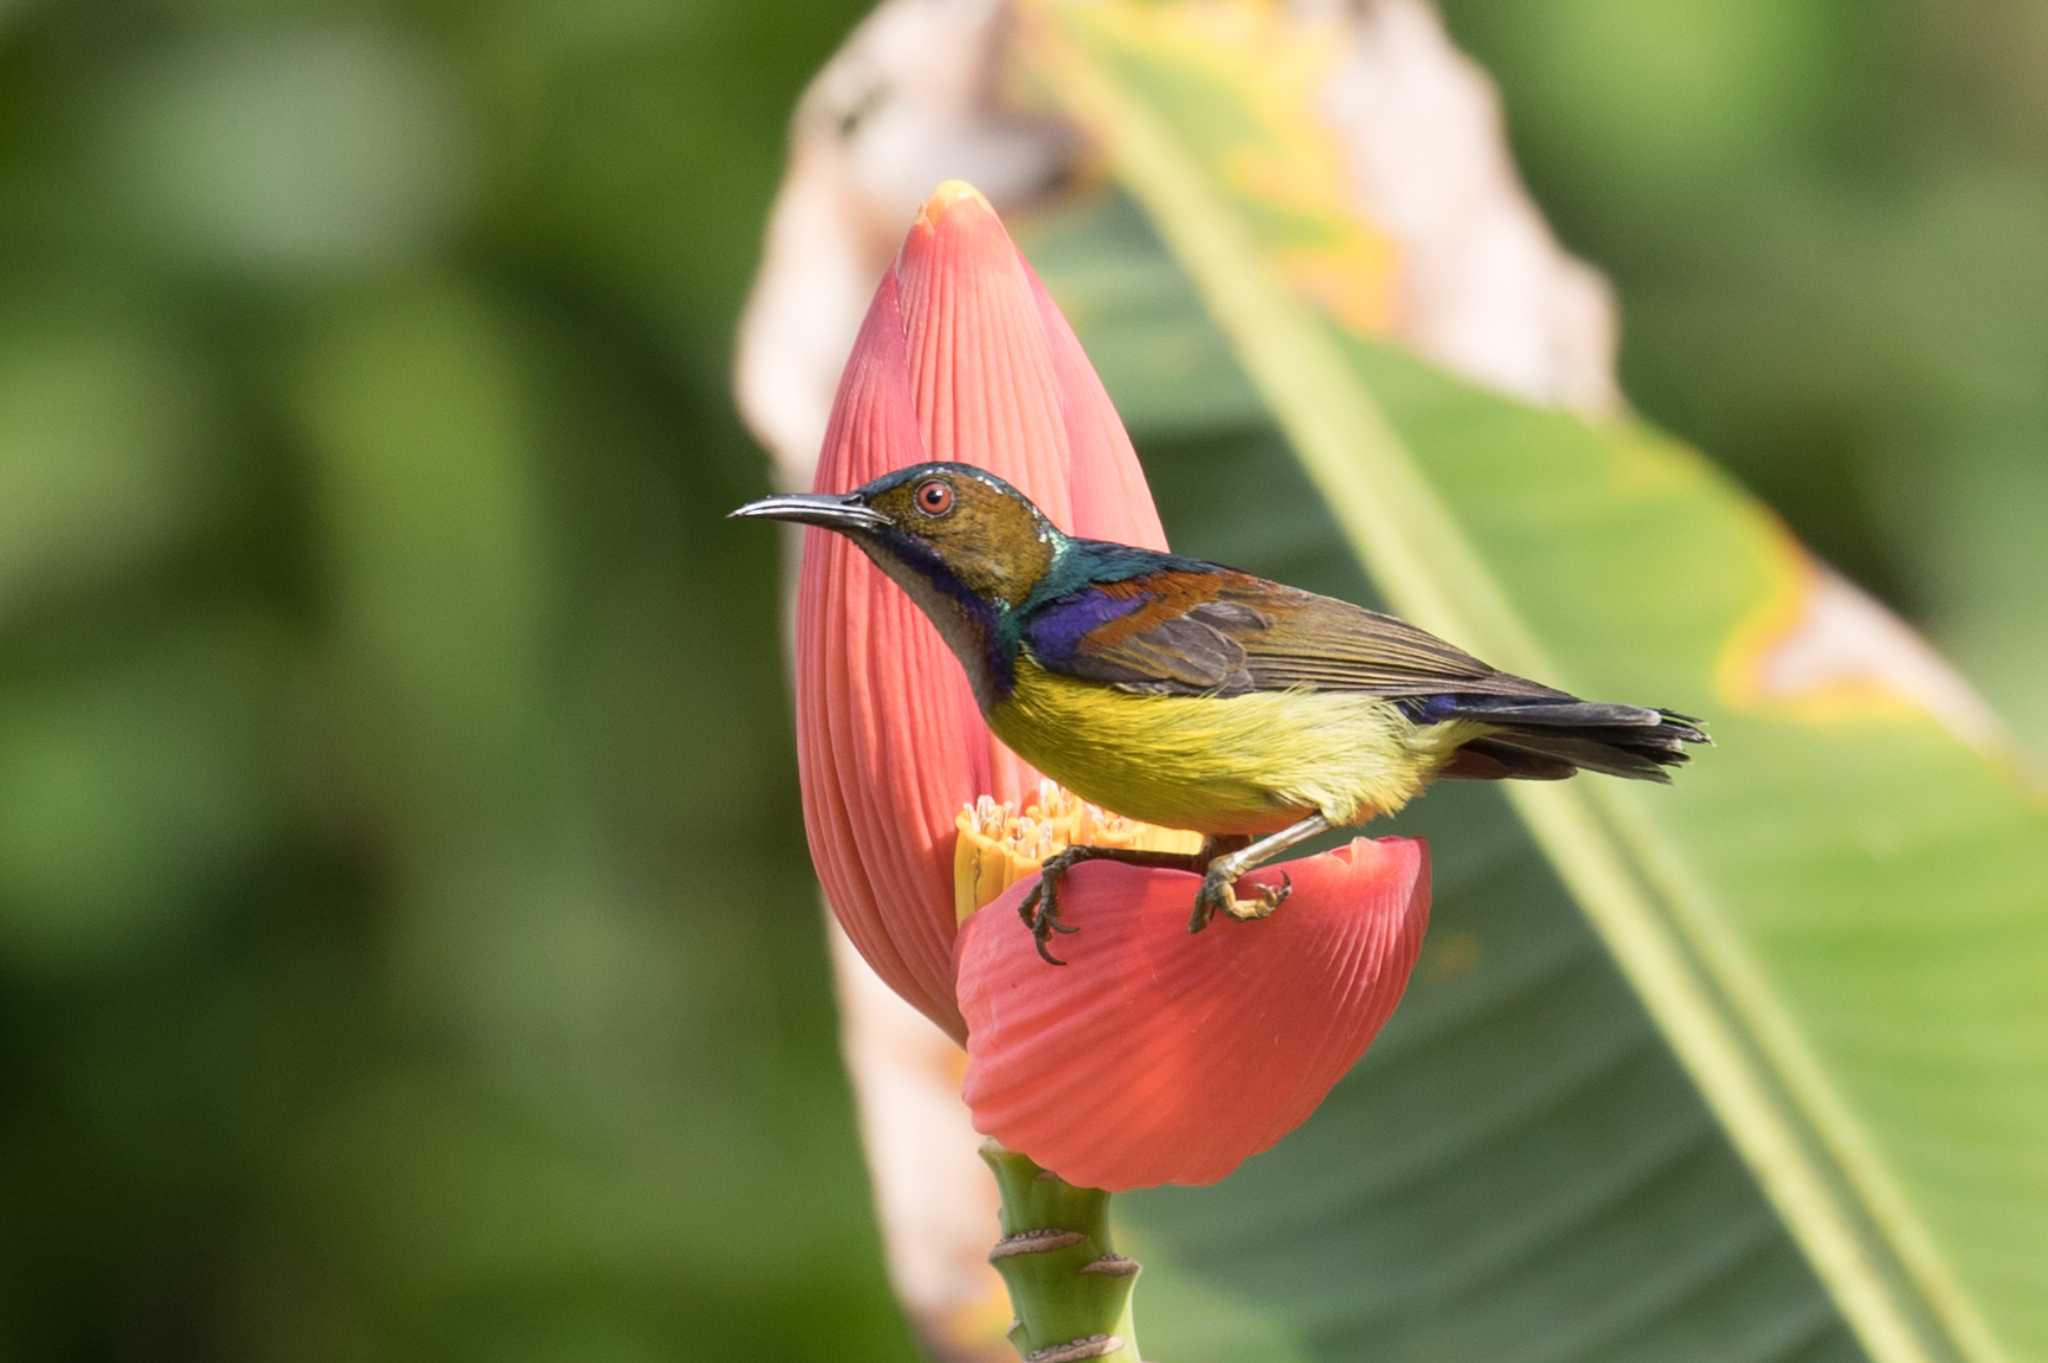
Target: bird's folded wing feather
1196,629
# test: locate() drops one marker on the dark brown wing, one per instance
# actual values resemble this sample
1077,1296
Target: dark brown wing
1324,644
1207,630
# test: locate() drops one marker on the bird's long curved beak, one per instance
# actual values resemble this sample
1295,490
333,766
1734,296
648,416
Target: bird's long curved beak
826,509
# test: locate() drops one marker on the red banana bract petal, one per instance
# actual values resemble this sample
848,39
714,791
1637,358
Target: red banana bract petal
1157,1055
962,356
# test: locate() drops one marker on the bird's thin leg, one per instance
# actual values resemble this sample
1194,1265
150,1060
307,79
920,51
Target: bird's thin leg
1040,909
1221,876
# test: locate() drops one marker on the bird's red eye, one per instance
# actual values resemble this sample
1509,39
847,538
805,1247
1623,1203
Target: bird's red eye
934,498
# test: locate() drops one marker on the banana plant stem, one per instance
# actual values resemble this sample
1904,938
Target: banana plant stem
1070,1289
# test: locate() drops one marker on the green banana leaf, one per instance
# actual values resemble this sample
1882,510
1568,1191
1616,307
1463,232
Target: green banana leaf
1754,1067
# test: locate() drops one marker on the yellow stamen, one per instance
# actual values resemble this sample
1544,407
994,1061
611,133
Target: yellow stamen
998,846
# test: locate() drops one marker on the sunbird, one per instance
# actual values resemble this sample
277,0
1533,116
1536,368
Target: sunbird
1192,695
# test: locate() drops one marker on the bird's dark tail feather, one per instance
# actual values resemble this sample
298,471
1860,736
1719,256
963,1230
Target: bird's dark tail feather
1548,740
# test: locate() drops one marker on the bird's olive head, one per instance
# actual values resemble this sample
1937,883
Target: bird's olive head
935,528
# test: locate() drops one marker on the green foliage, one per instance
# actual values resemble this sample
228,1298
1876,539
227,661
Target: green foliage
1833,921
407,949
1820,221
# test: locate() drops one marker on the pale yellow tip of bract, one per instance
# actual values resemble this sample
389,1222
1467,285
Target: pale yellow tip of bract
950,195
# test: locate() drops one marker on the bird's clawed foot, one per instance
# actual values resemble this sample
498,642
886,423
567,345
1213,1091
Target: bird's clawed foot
1040,909
1217,894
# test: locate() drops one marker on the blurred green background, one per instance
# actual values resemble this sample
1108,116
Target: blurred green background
407,948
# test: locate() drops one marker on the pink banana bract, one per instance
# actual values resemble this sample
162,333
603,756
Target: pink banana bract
1208,1047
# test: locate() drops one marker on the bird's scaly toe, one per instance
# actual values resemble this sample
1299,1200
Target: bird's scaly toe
1272,897
1218,895
1027,907
1214,895
1040,909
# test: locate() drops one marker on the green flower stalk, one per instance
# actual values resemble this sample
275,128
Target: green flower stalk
1070,1288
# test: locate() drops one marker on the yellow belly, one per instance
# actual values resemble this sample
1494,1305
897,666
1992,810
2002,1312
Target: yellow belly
1240,764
